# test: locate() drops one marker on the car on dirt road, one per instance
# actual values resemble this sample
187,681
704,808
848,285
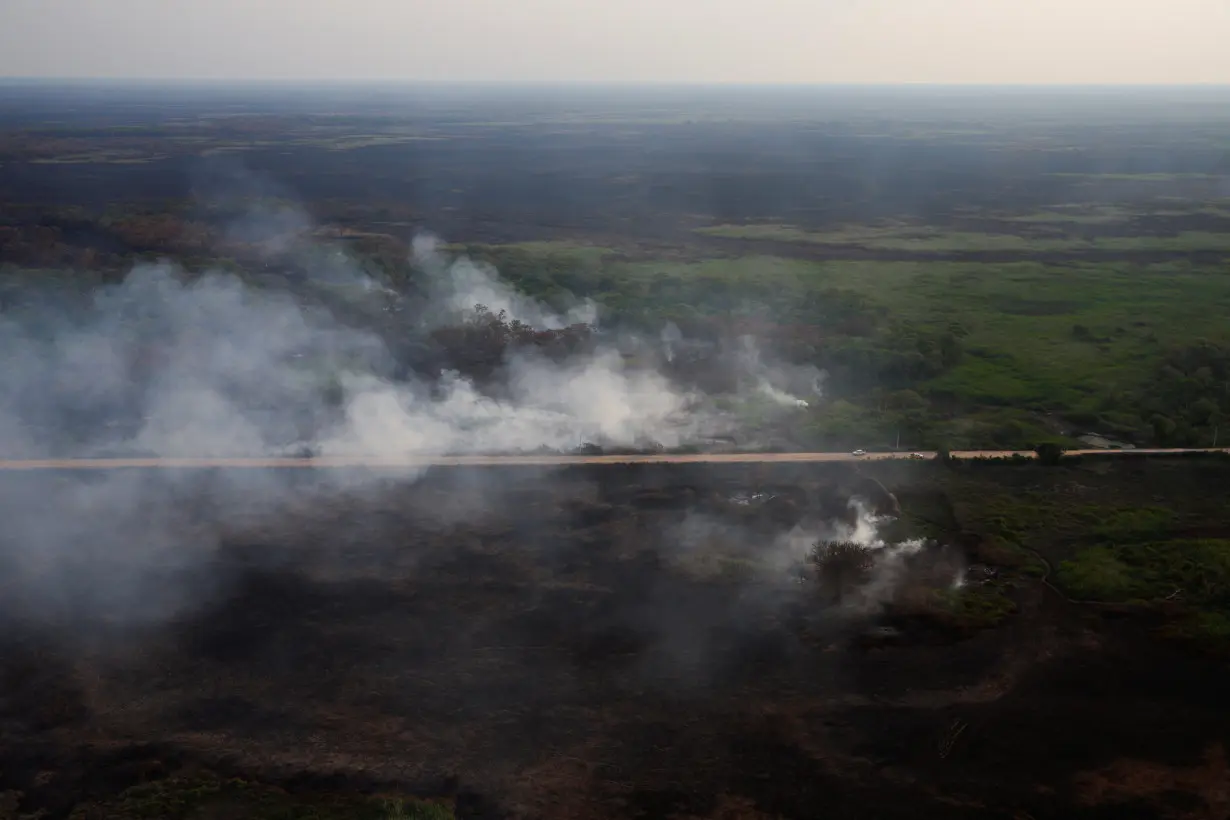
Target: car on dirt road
859,453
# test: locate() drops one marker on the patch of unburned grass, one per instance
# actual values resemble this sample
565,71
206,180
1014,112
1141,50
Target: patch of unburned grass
1099,574
974,606
931,239
1131,311
1213,627
545,250
968,608
1036,337
1008,554
1077,215
1052,511
1193,575
913,238
1143,534
1134,523
1199,569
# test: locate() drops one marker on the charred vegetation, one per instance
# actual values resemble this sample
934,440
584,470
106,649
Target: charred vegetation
457,637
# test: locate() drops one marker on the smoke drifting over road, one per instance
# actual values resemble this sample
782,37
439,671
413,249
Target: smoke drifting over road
212,367
172,363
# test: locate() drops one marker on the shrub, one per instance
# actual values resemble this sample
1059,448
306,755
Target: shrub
839,566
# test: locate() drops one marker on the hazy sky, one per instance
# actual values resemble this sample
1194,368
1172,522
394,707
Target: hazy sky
878,41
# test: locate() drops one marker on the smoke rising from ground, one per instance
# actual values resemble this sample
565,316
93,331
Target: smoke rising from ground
167,363
212,367
777,382
458,284
699,537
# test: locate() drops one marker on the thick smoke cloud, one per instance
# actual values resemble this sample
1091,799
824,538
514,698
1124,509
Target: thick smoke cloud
167,363
213,367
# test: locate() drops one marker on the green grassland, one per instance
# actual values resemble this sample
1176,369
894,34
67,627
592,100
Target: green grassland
1041,240
1022,303
1146,537
1040,350
928,352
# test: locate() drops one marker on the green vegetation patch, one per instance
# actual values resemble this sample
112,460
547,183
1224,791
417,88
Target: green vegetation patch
1192,575
975,606
989,350
932,239
1196,569
1039,519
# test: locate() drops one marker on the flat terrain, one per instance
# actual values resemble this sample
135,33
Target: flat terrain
973,270
713,610
619,642
321,462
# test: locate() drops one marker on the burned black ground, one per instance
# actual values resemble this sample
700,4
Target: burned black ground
554,644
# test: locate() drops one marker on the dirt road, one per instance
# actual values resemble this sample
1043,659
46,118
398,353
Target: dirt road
411,462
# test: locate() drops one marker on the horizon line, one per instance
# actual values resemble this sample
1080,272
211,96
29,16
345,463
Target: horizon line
411,81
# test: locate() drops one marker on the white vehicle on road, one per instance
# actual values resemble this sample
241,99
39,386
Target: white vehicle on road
859,453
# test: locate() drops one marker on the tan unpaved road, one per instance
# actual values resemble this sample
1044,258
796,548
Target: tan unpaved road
410,462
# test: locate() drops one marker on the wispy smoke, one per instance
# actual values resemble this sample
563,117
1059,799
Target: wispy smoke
701,537
671,337
212,367
781,382
767,565
548,406
458,284
167,363
888,569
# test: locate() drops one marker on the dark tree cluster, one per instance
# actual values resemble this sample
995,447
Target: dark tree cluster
478,346
1188,398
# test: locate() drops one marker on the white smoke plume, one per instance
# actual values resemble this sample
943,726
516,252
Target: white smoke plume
551,407
167,363
671,337
235,371
777,382
461,283
700,537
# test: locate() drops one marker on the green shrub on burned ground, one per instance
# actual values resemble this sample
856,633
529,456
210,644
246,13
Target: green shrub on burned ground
1149,533
843,570
972,606
1011,509
1188,579
1195,571
1008,555
840,568
205,796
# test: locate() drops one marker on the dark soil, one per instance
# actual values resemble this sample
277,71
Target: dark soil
536,643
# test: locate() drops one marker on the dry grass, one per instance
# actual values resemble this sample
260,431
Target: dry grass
1130,780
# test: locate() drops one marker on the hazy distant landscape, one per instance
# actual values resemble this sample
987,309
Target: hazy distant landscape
396,270
971,268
